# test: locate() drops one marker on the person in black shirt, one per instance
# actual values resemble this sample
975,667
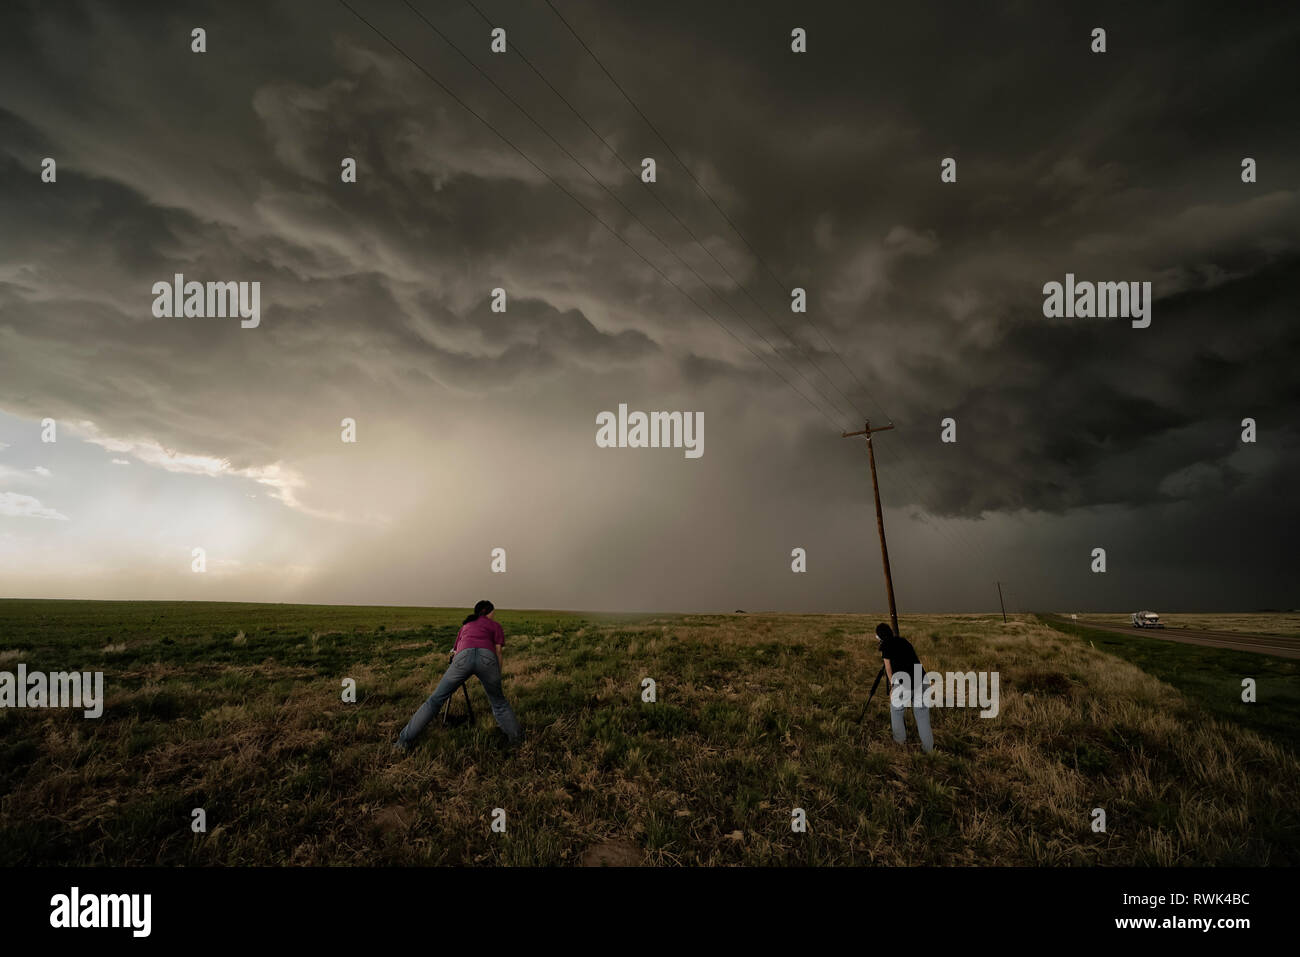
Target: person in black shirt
900,660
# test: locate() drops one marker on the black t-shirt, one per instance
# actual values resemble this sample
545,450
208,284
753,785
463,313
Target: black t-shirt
902,656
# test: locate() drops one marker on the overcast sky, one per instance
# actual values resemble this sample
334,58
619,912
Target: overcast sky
477,430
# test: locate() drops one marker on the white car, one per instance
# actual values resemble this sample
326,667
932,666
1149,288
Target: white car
1146,619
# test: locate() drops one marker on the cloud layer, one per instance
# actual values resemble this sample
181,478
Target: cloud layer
476,428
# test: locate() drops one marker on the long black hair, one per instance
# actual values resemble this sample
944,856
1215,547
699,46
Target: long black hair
482,608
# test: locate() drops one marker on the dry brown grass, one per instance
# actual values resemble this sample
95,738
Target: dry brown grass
756,716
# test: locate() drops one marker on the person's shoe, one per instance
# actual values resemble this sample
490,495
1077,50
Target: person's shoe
400,748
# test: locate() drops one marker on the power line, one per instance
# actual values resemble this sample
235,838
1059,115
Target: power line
953,533
515,103
703,189
961,539
579,202
966,543
941,526
591,53
973,544
518,50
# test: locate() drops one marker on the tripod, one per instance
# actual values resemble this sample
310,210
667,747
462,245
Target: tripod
469,709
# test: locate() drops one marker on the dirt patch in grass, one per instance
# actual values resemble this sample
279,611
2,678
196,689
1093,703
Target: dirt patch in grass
393,821
613,853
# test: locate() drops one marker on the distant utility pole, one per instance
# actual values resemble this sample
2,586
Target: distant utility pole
867,430
1004,607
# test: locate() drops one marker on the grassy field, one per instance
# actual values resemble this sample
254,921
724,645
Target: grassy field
237,709
1255,623
1212,677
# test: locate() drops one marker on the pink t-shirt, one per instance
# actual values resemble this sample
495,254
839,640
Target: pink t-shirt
480,633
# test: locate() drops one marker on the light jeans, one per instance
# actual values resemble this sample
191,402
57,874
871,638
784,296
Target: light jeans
468,661
920,713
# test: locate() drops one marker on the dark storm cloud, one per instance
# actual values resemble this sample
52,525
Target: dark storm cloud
1116,167
1084,414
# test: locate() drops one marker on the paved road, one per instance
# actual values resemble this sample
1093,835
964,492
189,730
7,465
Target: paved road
1262,644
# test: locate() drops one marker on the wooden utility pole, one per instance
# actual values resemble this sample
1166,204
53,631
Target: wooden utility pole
867,430
1004,607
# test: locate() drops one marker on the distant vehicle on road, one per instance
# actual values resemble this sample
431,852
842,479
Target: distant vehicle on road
1146,619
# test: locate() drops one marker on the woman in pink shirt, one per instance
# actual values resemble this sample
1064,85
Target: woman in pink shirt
477,652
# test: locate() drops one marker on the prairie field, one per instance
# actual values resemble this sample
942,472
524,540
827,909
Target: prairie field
238,709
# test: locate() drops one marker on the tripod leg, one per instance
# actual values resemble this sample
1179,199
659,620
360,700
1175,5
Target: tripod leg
446,709
874,686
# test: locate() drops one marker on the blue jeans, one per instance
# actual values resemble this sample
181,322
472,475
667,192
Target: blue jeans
468,661
919,712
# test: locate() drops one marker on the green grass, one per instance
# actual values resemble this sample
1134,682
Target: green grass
1212,677
237,709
